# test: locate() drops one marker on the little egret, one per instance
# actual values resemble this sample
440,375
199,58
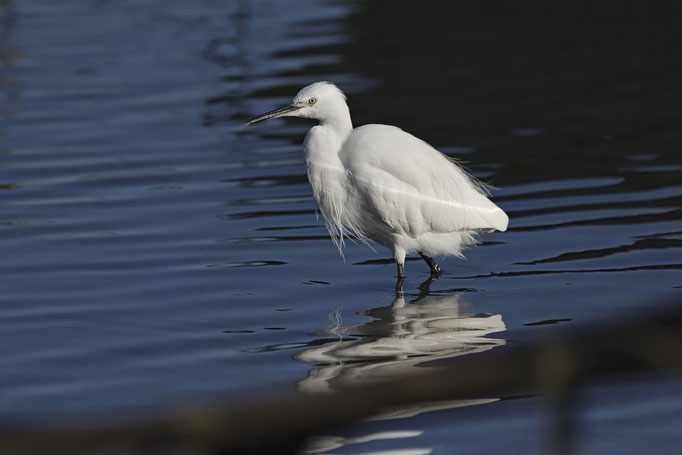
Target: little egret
379,182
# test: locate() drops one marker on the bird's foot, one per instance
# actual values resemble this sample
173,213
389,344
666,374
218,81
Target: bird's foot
435,268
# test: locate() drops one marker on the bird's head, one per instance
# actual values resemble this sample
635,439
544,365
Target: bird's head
320,101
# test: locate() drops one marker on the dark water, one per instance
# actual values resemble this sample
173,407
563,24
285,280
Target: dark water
154,251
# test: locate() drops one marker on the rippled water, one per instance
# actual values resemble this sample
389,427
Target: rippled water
155,251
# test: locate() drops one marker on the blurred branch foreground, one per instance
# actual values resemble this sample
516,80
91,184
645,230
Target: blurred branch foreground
553,365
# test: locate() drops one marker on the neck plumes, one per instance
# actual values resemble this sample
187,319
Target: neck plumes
327,173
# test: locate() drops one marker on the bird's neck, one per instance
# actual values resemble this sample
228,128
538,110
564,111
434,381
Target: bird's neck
324,141
322,146
326,171
338,123
327,174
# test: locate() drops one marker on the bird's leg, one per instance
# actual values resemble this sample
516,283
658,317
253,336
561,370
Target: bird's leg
401,270
435,268
401,278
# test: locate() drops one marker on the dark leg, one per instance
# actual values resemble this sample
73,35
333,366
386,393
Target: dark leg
401,278
401,270
435,268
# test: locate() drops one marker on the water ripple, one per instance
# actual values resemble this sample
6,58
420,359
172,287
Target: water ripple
155,250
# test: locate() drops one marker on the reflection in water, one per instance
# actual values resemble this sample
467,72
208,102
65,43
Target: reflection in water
401,337
321,445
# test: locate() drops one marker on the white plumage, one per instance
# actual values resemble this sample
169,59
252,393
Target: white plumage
381,183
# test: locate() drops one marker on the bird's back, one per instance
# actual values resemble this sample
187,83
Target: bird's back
412,188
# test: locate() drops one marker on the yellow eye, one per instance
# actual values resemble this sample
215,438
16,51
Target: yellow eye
312,101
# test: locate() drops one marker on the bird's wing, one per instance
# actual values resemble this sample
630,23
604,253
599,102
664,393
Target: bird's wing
412,187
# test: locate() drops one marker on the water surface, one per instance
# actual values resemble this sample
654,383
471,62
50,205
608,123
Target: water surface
155,251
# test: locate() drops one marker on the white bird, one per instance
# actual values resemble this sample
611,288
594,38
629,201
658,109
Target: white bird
379,182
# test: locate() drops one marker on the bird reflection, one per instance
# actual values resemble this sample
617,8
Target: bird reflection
398,338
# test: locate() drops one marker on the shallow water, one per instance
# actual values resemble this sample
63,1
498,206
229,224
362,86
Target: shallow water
155,251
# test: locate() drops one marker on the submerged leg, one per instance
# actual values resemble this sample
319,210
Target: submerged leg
435,268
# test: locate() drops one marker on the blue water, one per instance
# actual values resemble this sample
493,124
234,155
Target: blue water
157,252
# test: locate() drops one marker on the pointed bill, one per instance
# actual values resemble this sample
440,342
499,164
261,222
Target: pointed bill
282,111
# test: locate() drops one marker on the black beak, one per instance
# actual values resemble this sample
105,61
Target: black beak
282,111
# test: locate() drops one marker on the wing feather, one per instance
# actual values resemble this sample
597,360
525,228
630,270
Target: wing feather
413,188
